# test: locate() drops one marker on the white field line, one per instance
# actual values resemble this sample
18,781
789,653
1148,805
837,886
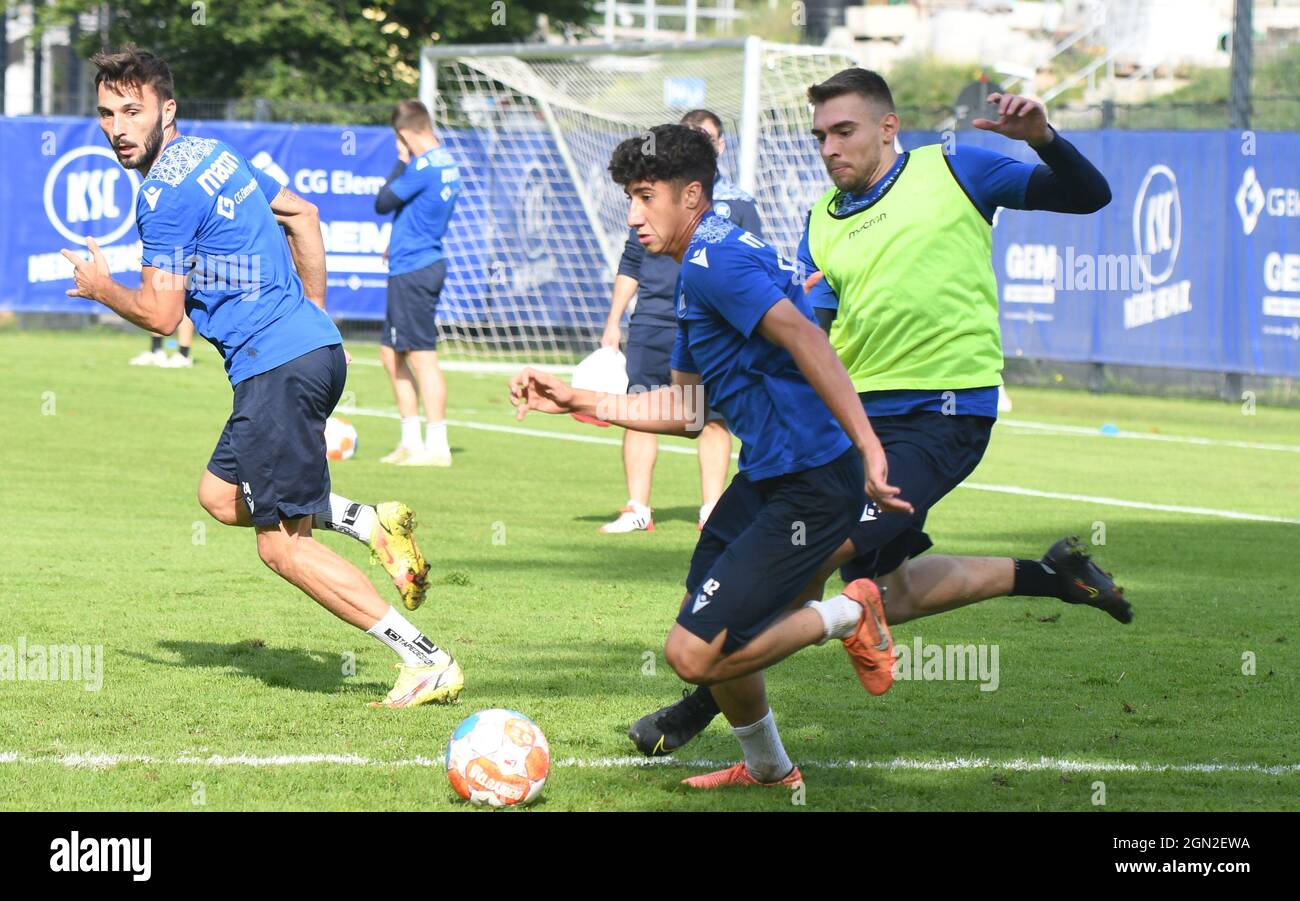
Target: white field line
1025,424
971,486
904,764
484,368
1058,429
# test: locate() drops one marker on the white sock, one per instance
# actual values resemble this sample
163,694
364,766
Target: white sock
638,508
706,510
414,649
839,614
765,756
411,432
348,517
435,437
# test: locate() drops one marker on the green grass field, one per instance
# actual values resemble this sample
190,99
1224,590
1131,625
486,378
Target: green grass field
225,689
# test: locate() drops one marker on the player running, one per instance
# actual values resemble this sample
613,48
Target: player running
652,279
747,342
909,299
212,248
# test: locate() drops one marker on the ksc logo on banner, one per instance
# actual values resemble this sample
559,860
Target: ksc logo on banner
1158,236
89,194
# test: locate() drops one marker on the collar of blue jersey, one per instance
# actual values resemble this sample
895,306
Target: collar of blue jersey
846,204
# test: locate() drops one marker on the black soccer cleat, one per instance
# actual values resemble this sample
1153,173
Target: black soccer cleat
1084,582
671,727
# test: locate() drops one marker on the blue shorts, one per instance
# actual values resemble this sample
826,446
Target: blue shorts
410,316
764,542
929,455
649,359
273,445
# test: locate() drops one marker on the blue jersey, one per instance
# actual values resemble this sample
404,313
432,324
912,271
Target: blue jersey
427,189
729,280
991,180
203,212
656,274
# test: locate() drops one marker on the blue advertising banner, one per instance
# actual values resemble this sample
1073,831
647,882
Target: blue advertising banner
1194,264
516,244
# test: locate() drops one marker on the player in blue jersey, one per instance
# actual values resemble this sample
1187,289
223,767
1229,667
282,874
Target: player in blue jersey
900,255
747,342
651,329
420,193
211,229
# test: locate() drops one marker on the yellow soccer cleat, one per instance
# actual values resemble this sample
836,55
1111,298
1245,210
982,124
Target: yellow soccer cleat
392,545
438,684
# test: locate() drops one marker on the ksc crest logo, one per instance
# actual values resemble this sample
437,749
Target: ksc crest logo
89,194
534,211
1157,224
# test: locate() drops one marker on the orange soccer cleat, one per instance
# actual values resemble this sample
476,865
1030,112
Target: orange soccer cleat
871,647
739,775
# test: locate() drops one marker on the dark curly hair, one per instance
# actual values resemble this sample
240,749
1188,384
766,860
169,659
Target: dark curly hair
132,68
673,153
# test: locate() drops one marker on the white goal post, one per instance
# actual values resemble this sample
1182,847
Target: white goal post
539,227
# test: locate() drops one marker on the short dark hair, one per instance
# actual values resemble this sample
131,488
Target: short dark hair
853,81
132,68
673,153
697,117
412,114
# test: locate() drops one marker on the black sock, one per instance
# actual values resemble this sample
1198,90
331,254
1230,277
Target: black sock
1033,579
155,344
185,351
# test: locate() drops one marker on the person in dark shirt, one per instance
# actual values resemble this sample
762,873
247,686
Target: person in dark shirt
650,277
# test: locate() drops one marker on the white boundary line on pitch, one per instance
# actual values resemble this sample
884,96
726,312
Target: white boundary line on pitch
1059,429
1045,427
905,764
972,486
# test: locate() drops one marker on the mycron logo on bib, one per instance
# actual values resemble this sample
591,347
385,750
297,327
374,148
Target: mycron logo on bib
89,195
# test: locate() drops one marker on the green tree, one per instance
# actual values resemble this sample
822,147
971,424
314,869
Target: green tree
308,50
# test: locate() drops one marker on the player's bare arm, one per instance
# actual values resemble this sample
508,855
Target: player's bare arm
662,411
158,305
625,288
301,221
786,327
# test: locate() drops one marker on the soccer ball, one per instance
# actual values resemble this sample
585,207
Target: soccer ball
340,438
498,757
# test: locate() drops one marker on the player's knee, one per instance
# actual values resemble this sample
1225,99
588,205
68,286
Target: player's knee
276,553
688,663
219,500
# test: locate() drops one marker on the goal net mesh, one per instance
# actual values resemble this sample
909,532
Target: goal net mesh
539,226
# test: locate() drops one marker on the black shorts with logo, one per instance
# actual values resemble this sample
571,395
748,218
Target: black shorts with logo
410,316
762,544
929,455
273,445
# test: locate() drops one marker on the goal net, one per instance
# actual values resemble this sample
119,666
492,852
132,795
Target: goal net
539,228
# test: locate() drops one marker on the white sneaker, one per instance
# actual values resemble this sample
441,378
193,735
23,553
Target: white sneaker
397,456
150,358
632,518
177,361
427,458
